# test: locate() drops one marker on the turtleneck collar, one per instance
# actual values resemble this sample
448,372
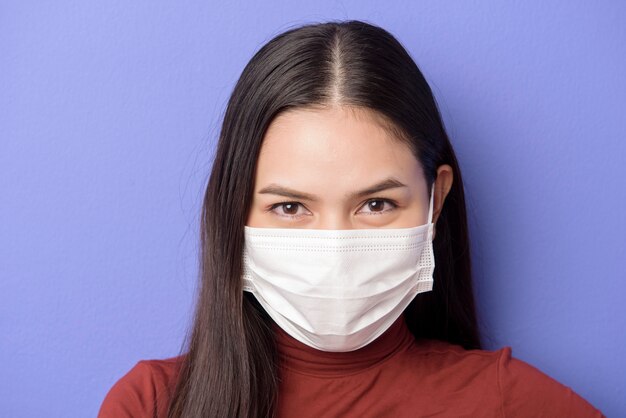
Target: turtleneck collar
299,357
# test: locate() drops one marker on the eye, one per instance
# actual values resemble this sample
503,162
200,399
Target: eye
378,206
289,209
296,209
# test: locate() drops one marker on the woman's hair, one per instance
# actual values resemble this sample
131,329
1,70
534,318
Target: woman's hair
230,368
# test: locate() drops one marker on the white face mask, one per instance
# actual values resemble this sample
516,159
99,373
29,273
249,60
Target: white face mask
338,290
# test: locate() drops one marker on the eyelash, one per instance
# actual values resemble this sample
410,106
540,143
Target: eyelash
393,204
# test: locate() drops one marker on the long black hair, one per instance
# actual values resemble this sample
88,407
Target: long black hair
229,368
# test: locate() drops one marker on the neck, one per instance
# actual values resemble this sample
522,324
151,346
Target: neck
299,357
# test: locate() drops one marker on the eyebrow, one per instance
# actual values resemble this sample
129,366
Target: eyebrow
276,189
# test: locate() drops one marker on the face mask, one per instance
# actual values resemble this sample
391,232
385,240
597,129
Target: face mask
338,290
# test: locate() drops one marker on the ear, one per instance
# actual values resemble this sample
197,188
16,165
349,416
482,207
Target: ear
443,184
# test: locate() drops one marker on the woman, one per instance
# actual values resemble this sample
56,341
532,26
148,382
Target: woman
336,276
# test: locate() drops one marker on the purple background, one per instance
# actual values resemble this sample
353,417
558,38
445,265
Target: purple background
108,114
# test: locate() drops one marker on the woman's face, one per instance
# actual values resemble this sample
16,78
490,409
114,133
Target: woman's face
336,168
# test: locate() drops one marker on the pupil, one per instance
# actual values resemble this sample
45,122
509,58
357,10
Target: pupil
375,205
289,208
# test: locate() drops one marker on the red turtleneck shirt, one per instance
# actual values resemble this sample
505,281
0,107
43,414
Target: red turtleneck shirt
394,376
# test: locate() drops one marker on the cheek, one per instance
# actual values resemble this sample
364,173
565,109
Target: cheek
409,214
259,215
254,213
254,218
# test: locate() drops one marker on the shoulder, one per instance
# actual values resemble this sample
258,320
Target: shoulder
144,390
522,384
439,357
522,389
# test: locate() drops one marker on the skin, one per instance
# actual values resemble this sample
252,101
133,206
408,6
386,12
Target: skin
328,155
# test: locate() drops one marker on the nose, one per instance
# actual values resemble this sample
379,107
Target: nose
334,220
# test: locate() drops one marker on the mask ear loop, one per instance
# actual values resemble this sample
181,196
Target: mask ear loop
430,204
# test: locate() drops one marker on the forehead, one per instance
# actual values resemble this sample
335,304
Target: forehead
333,141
